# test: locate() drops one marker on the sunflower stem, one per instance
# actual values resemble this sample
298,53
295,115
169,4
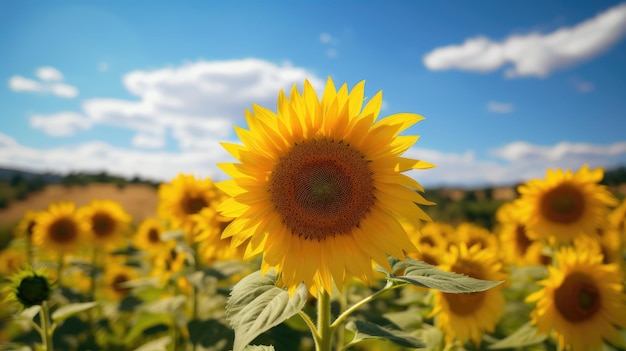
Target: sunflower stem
324,327
45,327
389,286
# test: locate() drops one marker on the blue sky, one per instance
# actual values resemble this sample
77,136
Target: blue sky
508,88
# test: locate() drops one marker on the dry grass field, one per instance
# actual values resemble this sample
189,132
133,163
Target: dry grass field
139,200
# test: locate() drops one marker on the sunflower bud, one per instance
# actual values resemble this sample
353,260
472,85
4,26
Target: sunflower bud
30,288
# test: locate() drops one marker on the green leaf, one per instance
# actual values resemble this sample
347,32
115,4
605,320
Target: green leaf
159,344
67,311
425,275
526,335
145,321
259,348
366,330
30,312
257,305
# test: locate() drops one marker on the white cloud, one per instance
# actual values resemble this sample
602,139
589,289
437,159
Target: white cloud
331,52
103,67
513,163
197,101
331,44
50,83
582,86
49,74
60,124
534,54
148,141
499,107
326,38
99,156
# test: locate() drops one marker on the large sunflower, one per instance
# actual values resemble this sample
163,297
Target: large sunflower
466,317
184,197
109,223
582,301
60,229
565,204
320,190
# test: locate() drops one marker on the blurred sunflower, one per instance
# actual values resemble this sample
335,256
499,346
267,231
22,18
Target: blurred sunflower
466,317
320,189
184,197
11,261
109,223
29,287
170,261
149,235
60,229
617,217
26,226
114,278
518,246
606,242
211,246
565,204
430,243
582,301
472,234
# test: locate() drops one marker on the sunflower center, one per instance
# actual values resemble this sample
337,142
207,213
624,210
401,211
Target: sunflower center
466,304
578,298
33,290
63,230
563,204
322,188
521,239
193,204
426,240
118,283
153,236
103,225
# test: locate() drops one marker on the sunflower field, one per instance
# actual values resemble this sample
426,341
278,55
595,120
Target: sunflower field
318,240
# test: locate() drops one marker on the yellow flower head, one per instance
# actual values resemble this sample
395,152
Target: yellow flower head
565,204
211,247
114,278
582,301
25,228
320,188
518,246
61,229
430,240
11,260
466,317
148,236
184,197
29,287
472,234
108,222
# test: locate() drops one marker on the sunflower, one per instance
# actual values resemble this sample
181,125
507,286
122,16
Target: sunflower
472,234
430,242
211,246
149,235
109,223
114,278
565,204
11,261
465,317
29,287
184,197
617,217
320,189
26,226
60,229
517,245
582,301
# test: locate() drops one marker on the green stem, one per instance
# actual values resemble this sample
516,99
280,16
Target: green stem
390,286
45,326
324,327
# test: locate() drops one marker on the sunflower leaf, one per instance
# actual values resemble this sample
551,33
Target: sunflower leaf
425,275
525,336
366,330
67,311
257,305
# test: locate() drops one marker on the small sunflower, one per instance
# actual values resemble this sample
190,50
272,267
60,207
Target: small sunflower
518,246
582,301
472,234
149,235
320,189
466,317
617,217
211,247
114,278
25,228
29,287
170,261
184,197
60,229
430,243
108,222
565,204
11,261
